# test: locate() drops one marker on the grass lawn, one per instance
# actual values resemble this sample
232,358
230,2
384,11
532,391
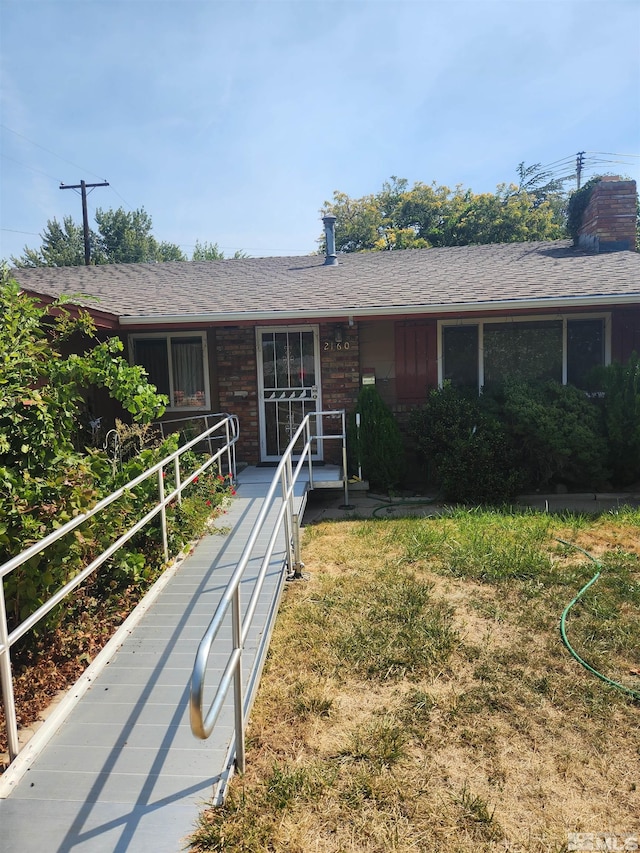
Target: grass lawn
418,696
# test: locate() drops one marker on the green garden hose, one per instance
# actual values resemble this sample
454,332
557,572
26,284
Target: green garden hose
563,631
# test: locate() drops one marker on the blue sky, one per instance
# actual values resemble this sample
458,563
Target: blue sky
232,122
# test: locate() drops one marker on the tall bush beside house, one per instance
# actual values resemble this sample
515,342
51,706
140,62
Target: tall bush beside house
377,445
465,448
556,431
44,479
620,409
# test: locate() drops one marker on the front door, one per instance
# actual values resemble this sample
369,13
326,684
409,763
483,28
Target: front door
289,385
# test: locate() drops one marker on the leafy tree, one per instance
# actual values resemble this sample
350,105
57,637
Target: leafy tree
400,217
540,183
211,252
42,474
62,246
42,391
126,238
121,237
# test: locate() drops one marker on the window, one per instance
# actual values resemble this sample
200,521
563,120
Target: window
483,353
522,351
177,366
585,349
461,355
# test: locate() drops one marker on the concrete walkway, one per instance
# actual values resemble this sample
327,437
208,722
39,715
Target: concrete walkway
123,772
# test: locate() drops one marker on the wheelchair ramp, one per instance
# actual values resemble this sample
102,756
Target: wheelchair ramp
123,772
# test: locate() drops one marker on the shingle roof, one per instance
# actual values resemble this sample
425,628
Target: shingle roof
419,280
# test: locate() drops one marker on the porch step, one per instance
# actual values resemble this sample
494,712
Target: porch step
354,485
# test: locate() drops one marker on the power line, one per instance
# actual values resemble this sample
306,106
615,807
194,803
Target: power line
562,161
121,198
16,231
31,168
609,154
48,150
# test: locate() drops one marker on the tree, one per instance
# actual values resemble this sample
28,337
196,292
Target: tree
211,252
62,246
121,238
425,215
543,187
126,238
43,475
540,183
41,391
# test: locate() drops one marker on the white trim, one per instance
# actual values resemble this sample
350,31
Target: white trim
466,308
260,330
525,318
167,336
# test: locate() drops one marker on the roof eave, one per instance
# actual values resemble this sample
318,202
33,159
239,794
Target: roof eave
383,311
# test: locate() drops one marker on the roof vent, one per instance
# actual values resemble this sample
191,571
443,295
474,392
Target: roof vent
331,258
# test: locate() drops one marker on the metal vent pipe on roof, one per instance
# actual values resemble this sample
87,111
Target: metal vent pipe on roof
331,258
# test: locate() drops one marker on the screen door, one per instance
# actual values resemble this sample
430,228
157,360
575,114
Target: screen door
289,380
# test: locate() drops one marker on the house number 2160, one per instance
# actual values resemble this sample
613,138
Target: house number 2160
335,345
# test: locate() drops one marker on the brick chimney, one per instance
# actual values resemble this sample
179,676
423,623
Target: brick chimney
609,221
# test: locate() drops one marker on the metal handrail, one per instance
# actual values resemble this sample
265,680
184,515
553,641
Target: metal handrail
227,425
286,476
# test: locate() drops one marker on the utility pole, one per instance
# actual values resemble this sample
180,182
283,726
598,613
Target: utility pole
579,167
83,186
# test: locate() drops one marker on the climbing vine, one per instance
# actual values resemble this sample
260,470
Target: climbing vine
578,203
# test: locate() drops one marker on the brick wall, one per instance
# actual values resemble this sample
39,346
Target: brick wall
340,367
237,373
609,222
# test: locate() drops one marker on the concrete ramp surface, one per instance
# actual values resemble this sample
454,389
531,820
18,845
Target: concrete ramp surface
122,771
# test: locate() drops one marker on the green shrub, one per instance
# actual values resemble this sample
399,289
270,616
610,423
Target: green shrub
44,479
520,435
465,448
578,203
556,430
377,445
620,411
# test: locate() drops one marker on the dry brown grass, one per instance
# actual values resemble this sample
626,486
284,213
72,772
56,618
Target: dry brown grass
497,740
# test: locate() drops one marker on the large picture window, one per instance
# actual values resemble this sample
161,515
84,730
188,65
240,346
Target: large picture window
522,351
177,366
483,353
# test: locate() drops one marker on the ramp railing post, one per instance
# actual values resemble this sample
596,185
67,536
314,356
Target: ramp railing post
163,514
6,677
287,476
344,459
236,627
176,468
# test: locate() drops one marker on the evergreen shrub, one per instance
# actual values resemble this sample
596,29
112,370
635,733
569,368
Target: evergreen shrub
556,432
465,447
620,413
377,446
